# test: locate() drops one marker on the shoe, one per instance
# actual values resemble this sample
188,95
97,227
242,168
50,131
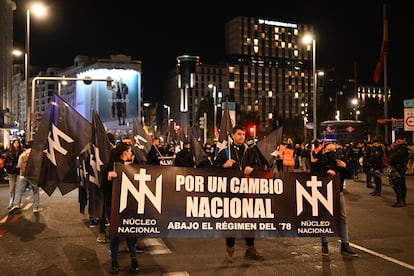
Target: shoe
325,249
398,204
14,210
230,252
375,194
115,267
347,251
134,265
251,253
139,249
93,223
101,238
370,186
37,210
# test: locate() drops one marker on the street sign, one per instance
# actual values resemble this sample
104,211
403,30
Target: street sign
409,119
409,103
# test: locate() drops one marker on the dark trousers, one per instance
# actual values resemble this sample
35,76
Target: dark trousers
231,241
400,189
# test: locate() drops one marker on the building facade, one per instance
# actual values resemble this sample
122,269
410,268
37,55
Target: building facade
270,69
114,91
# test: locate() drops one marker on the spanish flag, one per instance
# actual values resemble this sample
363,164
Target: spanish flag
384,48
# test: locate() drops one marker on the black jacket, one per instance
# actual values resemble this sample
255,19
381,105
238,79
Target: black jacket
243,155
327,161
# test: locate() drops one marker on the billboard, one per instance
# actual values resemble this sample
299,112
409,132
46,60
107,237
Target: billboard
117,103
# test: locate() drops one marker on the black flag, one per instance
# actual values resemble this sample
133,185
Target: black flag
100,151
142,142
63,134
225,130
269,143
200,155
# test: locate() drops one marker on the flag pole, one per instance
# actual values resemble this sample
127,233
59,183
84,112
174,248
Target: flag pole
386,136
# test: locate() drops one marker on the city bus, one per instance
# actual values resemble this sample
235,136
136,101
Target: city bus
342,131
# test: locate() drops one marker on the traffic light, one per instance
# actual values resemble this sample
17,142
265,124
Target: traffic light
202,122
109,83
252,130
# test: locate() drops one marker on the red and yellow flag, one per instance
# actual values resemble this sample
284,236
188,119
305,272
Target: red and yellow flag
384,48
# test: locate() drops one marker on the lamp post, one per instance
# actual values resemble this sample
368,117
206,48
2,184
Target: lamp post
215,109
355,108
304,112
40,10
337,112
168,115
307,39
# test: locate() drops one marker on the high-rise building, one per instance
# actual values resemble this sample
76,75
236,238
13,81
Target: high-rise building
192,89
270,69
6,63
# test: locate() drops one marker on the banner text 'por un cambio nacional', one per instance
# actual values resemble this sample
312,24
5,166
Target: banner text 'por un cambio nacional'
167,201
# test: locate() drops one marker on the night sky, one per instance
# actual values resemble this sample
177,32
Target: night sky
348,33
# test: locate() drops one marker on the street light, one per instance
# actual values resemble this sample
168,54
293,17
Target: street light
307,39
355,102
168,114
337,112
38,9
215,109
304,113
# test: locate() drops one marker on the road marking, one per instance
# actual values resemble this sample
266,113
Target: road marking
382,256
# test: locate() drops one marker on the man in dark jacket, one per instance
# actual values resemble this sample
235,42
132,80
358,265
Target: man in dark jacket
375,166
238,156
398,163
184,158
329,163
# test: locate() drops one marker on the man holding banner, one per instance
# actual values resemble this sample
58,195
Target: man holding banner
329,163
239,156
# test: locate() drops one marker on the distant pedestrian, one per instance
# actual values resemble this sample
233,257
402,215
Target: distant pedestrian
11,157
375,154
398,164
23,183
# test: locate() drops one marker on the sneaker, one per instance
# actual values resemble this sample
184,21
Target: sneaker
139,249
346,250
398,204
251,253
134,265
14,210
325,249
101,238
93,223
230,253
37,210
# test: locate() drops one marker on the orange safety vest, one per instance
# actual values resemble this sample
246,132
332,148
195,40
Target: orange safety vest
288,157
